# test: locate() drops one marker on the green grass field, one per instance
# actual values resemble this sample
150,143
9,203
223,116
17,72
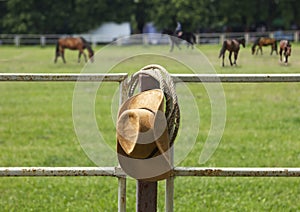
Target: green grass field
36,129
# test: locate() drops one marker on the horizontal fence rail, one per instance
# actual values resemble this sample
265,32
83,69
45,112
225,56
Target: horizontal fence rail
178,172
237,172
60,171
201,38
238,78
63,77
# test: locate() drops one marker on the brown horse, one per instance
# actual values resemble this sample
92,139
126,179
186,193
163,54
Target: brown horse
260,42
286,49
74,44
231,46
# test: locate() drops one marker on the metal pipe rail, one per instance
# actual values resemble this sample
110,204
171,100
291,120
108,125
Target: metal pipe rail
236,172
63,77
178,172
238,78
60,171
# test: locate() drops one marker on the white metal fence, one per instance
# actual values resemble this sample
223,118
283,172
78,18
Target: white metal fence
201,38
178,171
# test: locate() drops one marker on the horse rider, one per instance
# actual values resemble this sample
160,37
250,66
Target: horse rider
178,30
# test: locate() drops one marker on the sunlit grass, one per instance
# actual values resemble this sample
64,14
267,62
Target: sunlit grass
36,129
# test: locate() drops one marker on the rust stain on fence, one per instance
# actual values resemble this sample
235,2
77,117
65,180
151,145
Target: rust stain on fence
63,77
237,172
61,171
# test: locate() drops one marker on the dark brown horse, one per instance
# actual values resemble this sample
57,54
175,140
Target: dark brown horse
231,46
74,44
175,39
260,42
285,48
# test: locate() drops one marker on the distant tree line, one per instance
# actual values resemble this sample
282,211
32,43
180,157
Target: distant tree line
78,16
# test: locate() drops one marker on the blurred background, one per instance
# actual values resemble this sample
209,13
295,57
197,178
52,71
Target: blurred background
102,21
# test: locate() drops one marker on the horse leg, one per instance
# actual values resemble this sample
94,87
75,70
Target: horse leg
85,58
273,49
192,44
235,57
230,53
172,45
63,55
261,52
79,56
56,56
280,53
177,44
223,58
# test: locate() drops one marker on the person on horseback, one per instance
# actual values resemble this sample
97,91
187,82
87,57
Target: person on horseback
178,30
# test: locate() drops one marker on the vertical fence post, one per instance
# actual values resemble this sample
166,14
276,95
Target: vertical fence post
146,196
247,38
222,38
146,192
296,36
197,38
169,199
17,40
122,180
43,41
169,194
121,194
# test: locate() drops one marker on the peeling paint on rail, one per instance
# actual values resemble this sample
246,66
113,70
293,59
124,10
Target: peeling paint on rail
236,78
63,77
178,171
60,171
237,172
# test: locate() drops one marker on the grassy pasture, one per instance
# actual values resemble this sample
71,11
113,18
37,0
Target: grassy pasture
36,129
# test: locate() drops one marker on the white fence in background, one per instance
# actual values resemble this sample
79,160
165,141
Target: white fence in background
178,171
201,38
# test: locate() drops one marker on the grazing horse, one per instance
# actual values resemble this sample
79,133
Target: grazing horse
231,46
260,42
74,44
285,48
189,37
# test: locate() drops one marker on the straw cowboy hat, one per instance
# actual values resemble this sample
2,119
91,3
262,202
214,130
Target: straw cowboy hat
142,126
142,133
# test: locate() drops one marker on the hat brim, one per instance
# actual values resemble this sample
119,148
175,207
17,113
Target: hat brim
142,134
142,127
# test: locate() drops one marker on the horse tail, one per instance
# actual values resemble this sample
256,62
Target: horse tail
223,49
57,49
256,43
